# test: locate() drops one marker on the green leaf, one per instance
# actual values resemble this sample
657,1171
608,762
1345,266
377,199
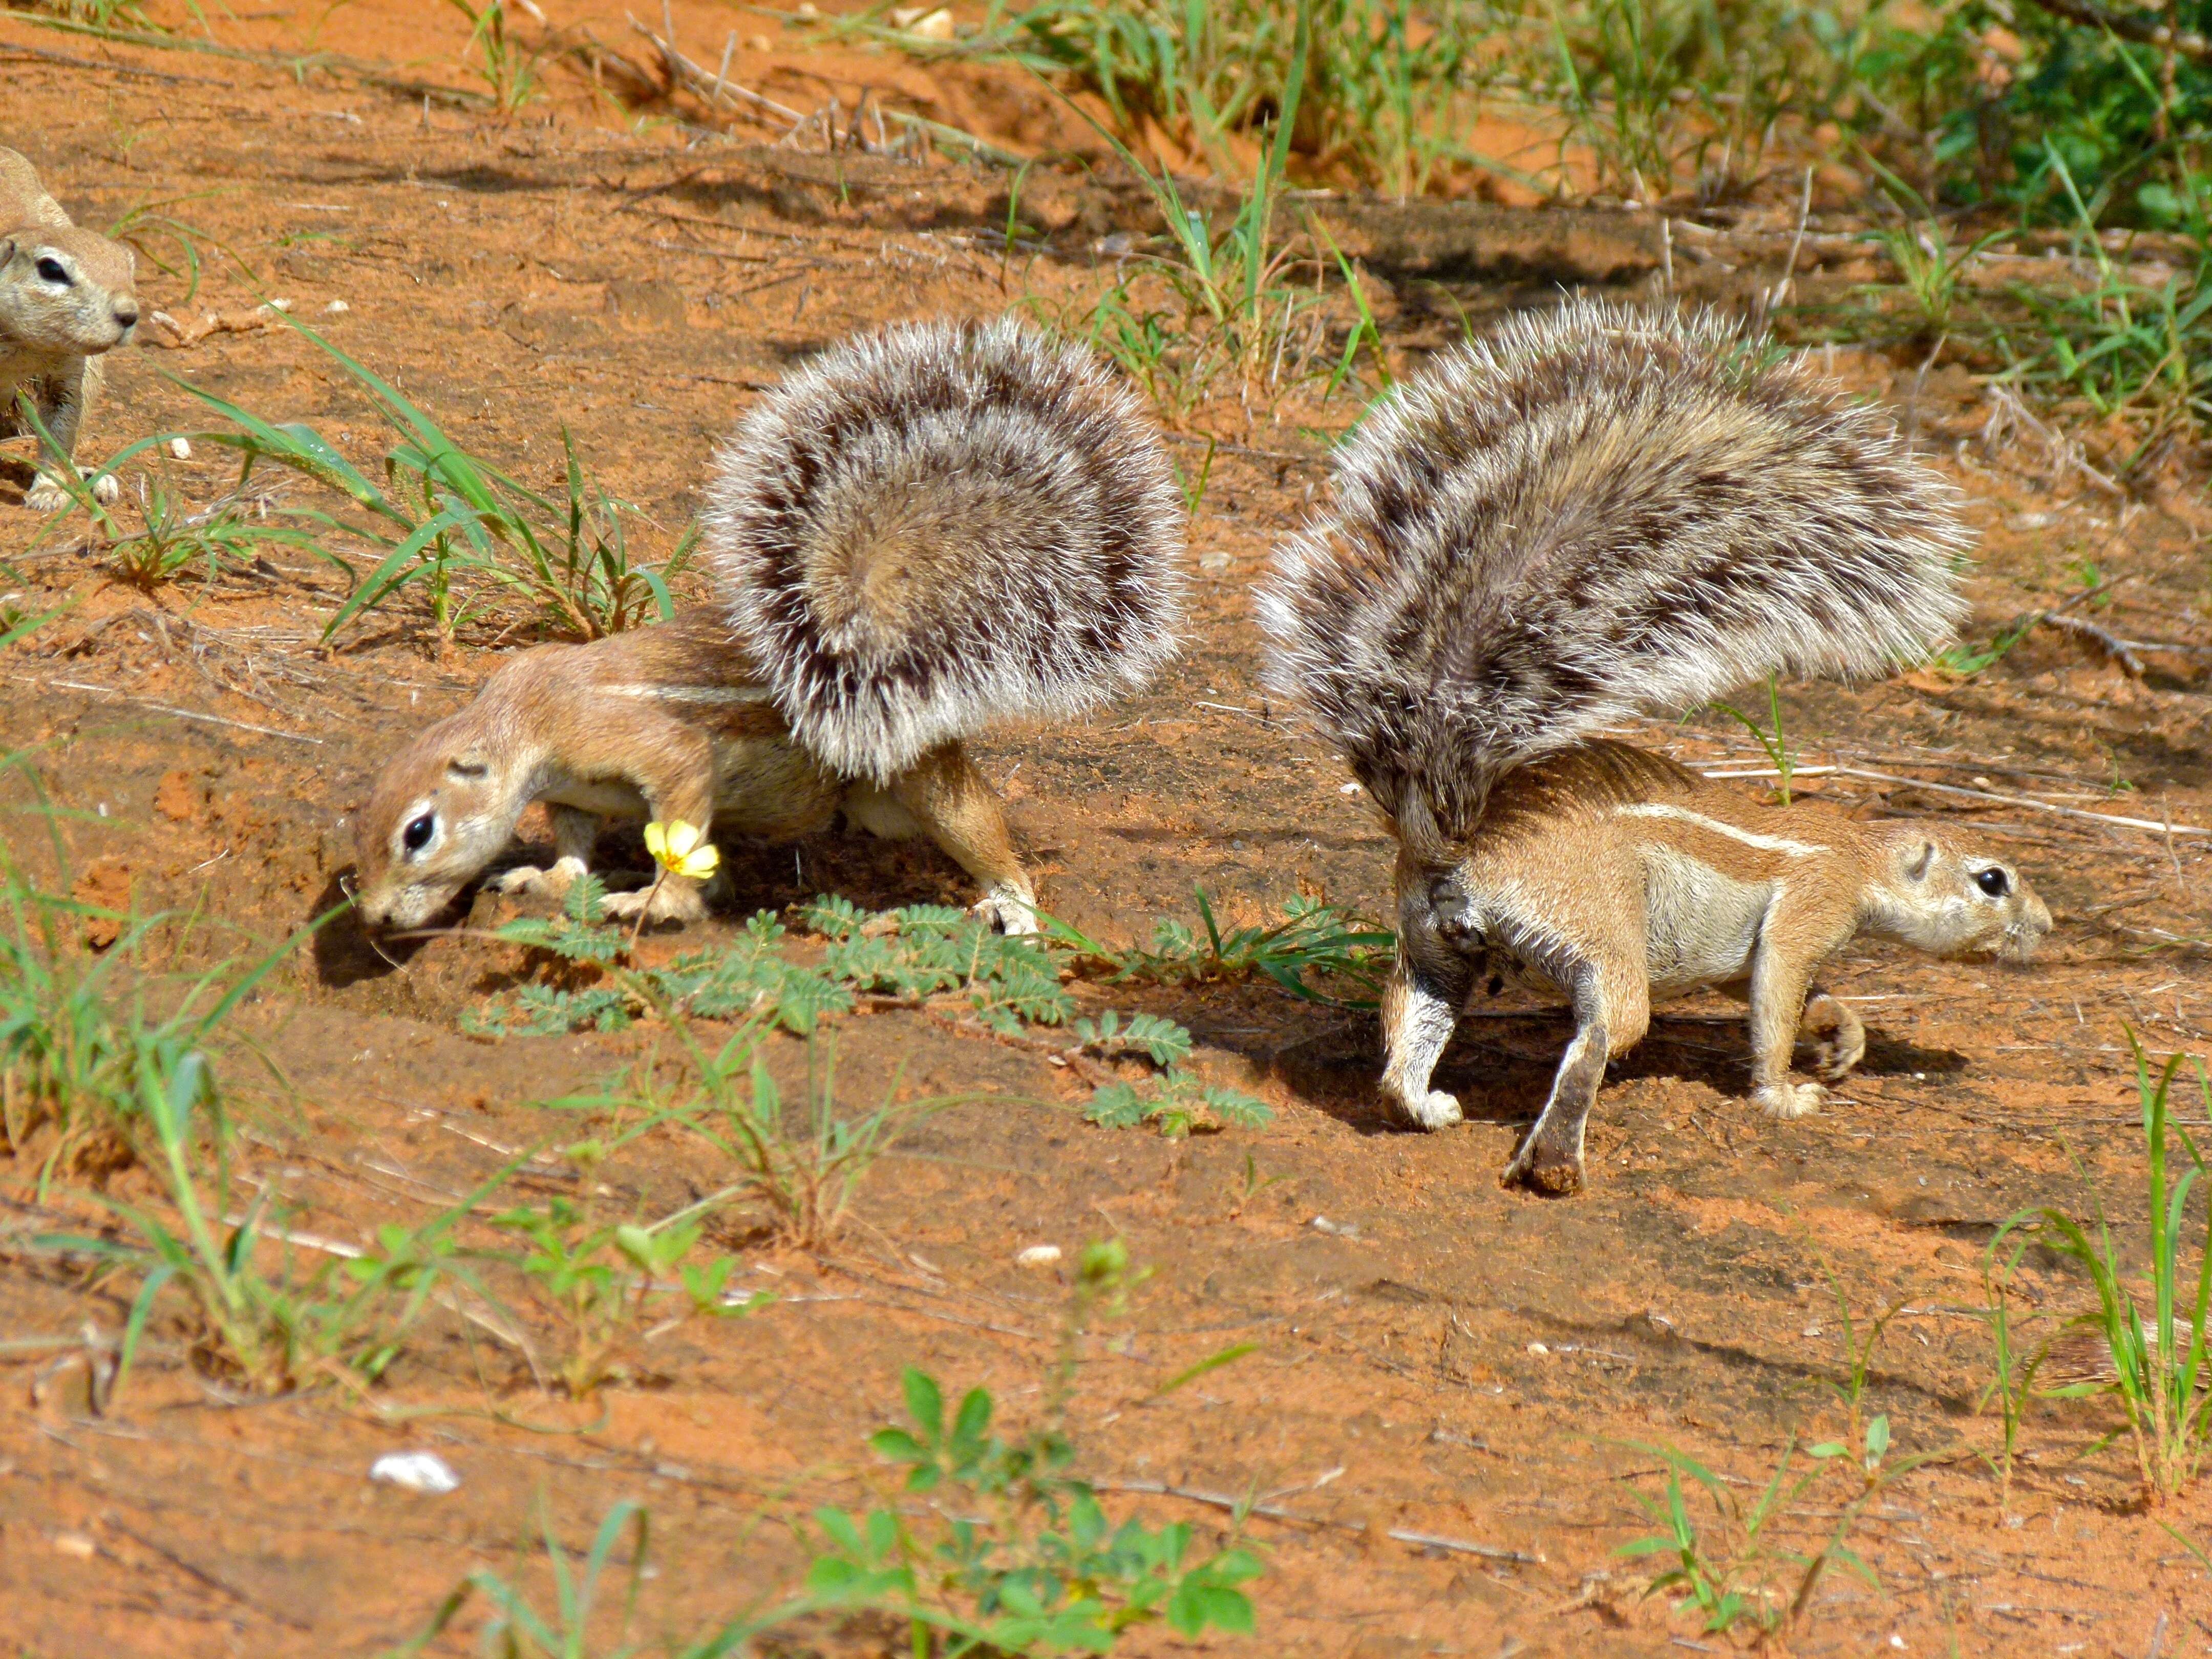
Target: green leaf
1115,1106
925,1404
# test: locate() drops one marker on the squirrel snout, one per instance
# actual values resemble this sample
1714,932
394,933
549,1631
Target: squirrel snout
126,315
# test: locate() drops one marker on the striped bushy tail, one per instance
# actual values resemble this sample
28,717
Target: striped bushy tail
933,529
1593,514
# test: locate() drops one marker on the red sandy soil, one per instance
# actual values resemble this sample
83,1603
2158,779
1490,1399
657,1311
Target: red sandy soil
1442,1358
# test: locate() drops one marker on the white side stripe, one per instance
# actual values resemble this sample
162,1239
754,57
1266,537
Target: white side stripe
692,693
1749,838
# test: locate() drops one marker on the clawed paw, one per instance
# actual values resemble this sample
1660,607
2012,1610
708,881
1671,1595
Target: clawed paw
1007,911
671,903
1434,1109
1788,1100
528,879
45,495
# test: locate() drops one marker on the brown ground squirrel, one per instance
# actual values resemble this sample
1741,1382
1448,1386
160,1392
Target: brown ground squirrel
926,533
66,295
1592,514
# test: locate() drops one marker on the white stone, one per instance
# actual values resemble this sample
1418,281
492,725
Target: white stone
417,1471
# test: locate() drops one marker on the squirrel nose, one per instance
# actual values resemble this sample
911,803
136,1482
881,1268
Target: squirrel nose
126,316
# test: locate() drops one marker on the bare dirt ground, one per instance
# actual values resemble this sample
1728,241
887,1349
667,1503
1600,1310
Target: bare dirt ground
1436,1357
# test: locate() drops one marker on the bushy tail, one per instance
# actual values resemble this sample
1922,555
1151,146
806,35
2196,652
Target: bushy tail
1593,514
941,526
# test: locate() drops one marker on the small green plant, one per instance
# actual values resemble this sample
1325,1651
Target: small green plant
1775,742
2012,1383
800,1162
221,536
1930,265
1159,1040
344,1319
747,979
1314,941
1034,1564
1963,661
1176,1105
148,227
1015,1555
2126,350
72,1045
2159,1360
925,950
461,528
607,1282
1736,1576
1172,1102
508,70
517,1630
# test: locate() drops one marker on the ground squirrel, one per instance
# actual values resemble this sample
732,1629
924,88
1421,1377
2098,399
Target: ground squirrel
1592,514
926,533
66,295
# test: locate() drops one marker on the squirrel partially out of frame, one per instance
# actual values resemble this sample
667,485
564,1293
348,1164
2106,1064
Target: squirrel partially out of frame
926,533
1593,514
67,296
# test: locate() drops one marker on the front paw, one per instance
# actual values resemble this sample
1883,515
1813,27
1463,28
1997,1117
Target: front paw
1007,910
45,496
1430,1110
528,879
1789,1100
672,902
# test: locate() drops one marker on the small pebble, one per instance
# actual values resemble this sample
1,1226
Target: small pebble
1038,1256
336,308
74,1545
416,1471
1347,789
1538,1349
280,304
180,449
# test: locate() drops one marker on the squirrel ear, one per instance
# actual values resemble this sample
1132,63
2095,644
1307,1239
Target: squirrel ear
467,769
1917,869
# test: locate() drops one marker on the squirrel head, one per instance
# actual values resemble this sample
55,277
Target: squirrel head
1953,897
66,290
440,813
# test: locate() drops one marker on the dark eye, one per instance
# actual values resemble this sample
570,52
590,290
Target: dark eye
416,835
1992,881
53,271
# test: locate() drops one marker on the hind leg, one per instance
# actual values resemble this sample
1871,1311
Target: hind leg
957,808
1612,1008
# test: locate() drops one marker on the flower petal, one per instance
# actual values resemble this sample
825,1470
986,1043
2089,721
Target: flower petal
656,841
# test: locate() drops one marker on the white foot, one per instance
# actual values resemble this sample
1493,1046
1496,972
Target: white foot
676,901
1008,910
1787,1100
45,496
1433,1110
528,879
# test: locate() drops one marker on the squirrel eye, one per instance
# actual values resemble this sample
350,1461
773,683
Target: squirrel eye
416,835
1992,882
53,271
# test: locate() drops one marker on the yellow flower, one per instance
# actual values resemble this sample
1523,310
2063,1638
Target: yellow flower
682,849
